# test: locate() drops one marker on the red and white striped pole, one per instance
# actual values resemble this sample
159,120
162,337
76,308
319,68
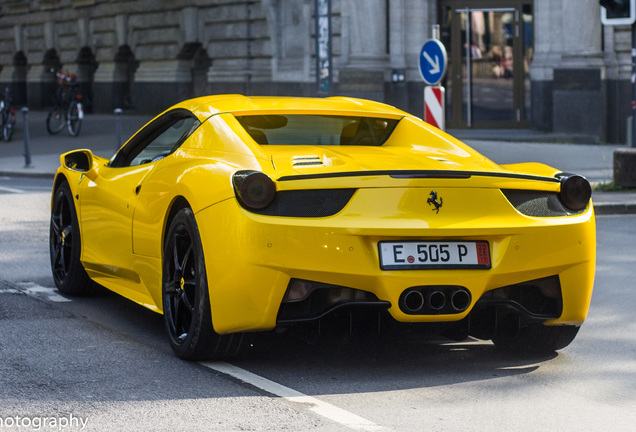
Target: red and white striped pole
434,106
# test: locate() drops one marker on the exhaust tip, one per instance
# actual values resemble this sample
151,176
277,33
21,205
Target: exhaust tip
413,301
460,300
436,300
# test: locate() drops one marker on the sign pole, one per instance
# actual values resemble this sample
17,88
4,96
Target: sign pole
433,61
435,106
435,32
633,137
324,68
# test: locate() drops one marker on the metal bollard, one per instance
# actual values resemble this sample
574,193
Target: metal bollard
118,112
27,152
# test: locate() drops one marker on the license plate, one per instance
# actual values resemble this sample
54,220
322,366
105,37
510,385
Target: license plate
414,255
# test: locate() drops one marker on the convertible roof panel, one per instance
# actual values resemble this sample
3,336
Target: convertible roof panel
207,105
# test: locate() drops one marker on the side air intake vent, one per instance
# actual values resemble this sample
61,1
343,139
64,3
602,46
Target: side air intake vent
307,203
538,203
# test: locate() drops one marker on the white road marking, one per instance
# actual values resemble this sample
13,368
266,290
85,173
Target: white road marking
11,190
317,406
10,291
40,291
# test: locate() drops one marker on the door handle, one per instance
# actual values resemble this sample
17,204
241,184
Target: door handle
137,189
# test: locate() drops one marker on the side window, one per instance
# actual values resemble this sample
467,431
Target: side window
157,140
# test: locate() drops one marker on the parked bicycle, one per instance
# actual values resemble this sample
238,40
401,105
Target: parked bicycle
68,109
7,115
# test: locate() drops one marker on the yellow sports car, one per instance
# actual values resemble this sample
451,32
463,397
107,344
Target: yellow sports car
233,214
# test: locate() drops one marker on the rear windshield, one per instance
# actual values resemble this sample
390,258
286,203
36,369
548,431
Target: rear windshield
323,130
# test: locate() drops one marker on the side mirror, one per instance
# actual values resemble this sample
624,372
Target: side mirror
77,160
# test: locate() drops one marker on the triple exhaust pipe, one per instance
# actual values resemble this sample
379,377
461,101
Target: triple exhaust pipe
435,300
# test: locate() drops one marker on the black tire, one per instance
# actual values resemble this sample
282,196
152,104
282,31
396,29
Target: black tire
74,120
186,302
55,120
537,339
65,246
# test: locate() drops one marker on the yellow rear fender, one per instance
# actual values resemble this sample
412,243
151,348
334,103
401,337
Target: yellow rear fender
201,182
185,179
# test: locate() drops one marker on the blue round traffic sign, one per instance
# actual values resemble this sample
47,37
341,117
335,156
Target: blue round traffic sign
433,62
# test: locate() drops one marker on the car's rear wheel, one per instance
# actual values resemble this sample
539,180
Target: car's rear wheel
186,302
536,338
65,245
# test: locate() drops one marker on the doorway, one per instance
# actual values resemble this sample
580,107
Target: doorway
490,47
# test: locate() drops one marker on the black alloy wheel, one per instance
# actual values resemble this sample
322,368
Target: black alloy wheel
186,303
65,245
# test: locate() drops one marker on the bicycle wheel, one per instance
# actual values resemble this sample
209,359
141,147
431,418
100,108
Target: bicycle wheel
3,122
75,115
7,129
55,120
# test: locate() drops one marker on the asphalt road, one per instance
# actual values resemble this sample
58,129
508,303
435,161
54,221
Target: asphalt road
106,361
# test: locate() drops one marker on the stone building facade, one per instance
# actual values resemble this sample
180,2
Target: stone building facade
573,75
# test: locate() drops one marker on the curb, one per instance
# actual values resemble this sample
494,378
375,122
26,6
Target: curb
27,174
615,208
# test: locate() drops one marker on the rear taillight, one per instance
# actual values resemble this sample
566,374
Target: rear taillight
254,189
575,192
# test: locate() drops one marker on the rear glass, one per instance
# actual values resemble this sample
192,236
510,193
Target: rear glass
317,130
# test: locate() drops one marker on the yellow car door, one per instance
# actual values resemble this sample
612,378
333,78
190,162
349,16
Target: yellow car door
106,208
107,202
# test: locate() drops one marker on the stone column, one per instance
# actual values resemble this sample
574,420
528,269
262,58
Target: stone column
397,90
419,16
85,63
114,78
548,49
569,92
366,22
367,67
239,49
193,62
290,26
580,91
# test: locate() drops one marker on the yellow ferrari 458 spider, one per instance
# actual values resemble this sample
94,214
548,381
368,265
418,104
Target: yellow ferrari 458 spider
232,214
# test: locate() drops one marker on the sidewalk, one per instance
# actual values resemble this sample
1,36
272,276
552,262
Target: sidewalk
595,162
